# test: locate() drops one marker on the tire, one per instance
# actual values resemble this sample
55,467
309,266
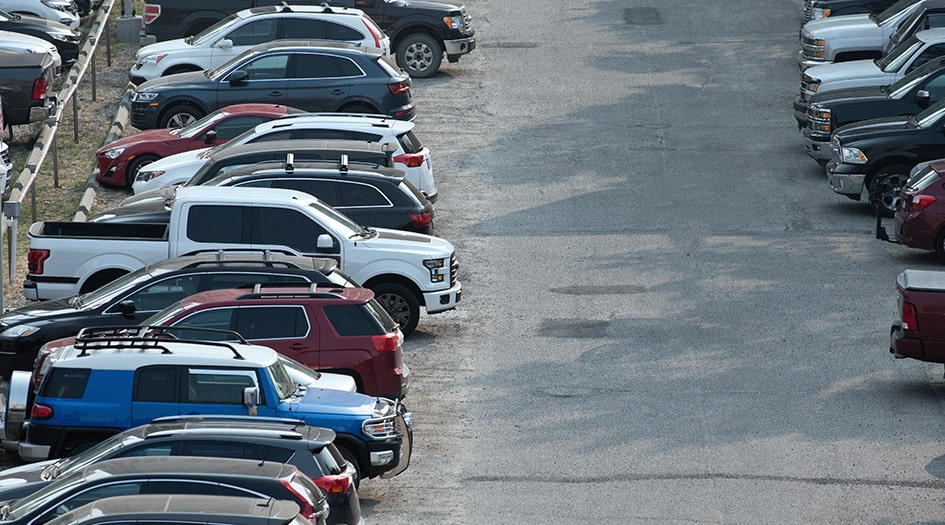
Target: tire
420,55
350,458
885,186
400,303
180,116
131,171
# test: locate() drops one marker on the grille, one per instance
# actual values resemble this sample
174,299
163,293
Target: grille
5,158
467,21
808,10
454,270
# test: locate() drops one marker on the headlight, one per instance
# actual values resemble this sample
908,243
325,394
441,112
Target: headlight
819,12
59,6
138,96
852,156
819,112
62,37
114,152
435,266
453,22
145,176
22,330
151,59
819,42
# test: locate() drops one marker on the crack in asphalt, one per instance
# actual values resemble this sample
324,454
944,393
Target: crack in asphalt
931,484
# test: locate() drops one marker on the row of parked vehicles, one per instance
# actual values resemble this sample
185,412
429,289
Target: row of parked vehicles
250,301
872,112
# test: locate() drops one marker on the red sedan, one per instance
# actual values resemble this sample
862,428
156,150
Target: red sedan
120,160
920,217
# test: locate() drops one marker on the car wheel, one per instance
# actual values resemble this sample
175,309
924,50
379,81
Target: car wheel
885,186
180,116
419,54
131,171
400,303
349,457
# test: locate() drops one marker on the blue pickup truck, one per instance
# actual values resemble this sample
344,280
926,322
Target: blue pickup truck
108,379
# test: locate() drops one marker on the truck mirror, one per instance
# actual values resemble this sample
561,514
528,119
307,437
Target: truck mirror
127,308
922,98
251,399
238,76
324,243
210,136
226,43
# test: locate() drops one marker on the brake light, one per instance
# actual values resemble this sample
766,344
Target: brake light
307,507
411,160
399,87
335,484
39,89
41,412
920,202
910,320
374,33
420,220
38,368
151,12
387,342
35,259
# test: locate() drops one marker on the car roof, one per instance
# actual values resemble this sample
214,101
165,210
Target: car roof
235,426
274,293
359,120
300,146
319,45
931,35
207,507
331,169
186,465
255,195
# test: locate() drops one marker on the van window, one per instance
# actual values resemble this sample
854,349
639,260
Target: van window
66,383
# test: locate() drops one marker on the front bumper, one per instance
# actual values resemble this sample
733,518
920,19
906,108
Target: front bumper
443,300
804,62
144,115
459,46
800,112
849,184
818,150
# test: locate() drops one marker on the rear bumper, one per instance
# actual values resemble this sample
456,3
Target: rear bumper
900,347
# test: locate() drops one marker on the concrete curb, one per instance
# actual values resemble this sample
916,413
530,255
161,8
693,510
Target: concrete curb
119,125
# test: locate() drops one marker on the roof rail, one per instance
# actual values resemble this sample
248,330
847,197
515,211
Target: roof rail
281,434
290,163
146,337
270,251
312,292
224,417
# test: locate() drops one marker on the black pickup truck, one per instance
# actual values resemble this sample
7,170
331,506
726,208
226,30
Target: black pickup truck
24,79
420,31
817,9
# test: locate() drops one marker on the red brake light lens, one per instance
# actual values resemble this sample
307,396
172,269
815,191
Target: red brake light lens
411,160
398,87
35,259
420,220
374,33
334,484
41,412
920,202
39,89
910,321
387,342
151,12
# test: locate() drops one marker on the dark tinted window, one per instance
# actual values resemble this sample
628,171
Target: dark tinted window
357,194
160,450
302,29
66,383
156,384
217,318
227,449
277,135
271,322
410,142
218,387
183,487
316,65
269,67
220,224
335,31
285,227
320,134
329,460
93,494
929,53
324,190
353,319
157,296
236,280
255,32
234,126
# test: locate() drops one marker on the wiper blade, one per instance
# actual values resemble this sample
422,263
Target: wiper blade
365,232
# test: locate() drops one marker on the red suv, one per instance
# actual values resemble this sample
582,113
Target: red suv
328,328
920,216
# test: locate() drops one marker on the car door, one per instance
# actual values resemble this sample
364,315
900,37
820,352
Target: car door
276,228
241,39
317,81
935,86
284,328
261,78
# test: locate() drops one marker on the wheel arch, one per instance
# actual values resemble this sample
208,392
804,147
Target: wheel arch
411,27
397,279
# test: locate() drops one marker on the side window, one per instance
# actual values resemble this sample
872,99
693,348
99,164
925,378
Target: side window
223,387
216,224
216,318
321,134
66,383
276,135
335,31
935,20
201,488
236,280
324,190
216,449
93,494
270,67
936,88
271,322
358,195
234,126
161,450
256,32
347,67
160,294
302,29
929,53
314,65
285,227
156,384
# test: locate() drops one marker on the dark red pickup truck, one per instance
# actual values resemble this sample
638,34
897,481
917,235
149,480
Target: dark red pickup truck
920,331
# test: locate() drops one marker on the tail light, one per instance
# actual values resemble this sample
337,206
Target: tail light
39,89
387,342
151,12
420,220
41,412
35,259
334,484
38,368
374,33
399,87
910,320
411,160
306,505
920,202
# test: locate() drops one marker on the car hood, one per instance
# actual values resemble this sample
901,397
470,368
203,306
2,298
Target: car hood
859,94
842,25
141,137
182,81
873,128
40,311
437,6
325,401
404,242
854,69
16,476
177,160
158,48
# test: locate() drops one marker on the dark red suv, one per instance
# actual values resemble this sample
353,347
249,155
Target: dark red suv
920,216
328,328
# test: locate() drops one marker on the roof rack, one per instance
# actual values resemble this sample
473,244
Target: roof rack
223,417
220,261
145,338
312,292
281,434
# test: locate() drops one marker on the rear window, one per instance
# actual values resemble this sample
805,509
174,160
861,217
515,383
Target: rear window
359,319
389,66
330,463
923,179
66,383
410,142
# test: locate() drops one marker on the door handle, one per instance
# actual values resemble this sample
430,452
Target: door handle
298,346
275,93
338,92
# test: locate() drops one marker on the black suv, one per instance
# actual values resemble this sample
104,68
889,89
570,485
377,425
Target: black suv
180,509
135,296
313,76
167,475
310,449
379,197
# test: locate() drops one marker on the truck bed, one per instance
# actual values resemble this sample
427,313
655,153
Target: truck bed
103,230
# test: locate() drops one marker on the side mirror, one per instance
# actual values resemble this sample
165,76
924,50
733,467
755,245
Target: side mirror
324,243
211,136
251,400
127,308
226,43
922,98
237,77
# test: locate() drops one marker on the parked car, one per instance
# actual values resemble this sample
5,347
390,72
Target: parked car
818,9
135,296
21,43
25,79
220,161
899,62
120,160
859,37
231,36
314,76
210,476
371,196
910,95
920,221
180,509
918,333
89,392
410,154
61,11
290,441
877,155
65,39
341,330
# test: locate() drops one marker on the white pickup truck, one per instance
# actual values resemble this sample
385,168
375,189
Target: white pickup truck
405,270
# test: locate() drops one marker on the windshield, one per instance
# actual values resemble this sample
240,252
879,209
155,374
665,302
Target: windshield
919,74
223,69
45,497
106,293
94,454
161,318
898,55
910,21
298,372
353,227
281,378
893,10
5,16
197,126
930,116
213,32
